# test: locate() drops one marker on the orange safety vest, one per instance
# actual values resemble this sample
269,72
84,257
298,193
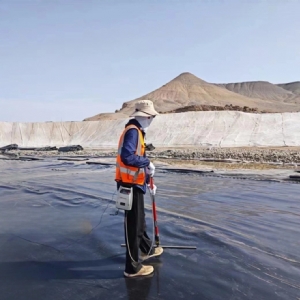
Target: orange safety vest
129,174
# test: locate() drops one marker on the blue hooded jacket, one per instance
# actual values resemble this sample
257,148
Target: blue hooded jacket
128,155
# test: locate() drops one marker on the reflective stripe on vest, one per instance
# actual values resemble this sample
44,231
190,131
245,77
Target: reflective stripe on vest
129,174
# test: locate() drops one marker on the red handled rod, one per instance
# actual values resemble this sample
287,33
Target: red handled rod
154,213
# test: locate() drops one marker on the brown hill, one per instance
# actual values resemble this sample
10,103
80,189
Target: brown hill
259,89
187,90
107,116
293,87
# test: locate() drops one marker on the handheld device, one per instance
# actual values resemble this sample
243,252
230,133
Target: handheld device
124,198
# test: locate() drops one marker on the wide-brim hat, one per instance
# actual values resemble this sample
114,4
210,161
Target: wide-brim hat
144,108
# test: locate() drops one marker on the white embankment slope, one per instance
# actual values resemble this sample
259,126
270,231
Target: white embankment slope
212,128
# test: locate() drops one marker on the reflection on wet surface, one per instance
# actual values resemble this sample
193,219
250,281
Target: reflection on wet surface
60,239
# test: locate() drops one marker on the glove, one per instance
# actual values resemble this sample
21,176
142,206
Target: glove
150,169
152,190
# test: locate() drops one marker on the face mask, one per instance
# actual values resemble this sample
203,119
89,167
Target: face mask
144,122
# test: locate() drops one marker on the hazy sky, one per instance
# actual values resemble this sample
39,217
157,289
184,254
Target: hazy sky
65,60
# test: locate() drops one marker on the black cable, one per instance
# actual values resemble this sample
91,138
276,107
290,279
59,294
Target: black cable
98,224
112,198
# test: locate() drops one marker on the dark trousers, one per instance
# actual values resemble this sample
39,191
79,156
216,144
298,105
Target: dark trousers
135,226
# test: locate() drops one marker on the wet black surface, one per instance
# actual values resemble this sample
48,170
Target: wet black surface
59,239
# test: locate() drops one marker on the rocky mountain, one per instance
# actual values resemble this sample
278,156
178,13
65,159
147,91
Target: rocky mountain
187,90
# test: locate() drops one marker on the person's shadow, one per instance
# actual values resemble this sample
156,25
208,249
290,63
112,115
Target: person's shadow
38,270
137,288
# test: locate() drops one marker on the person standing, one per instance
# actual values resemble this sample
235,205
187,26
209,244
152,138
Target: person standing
133,169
